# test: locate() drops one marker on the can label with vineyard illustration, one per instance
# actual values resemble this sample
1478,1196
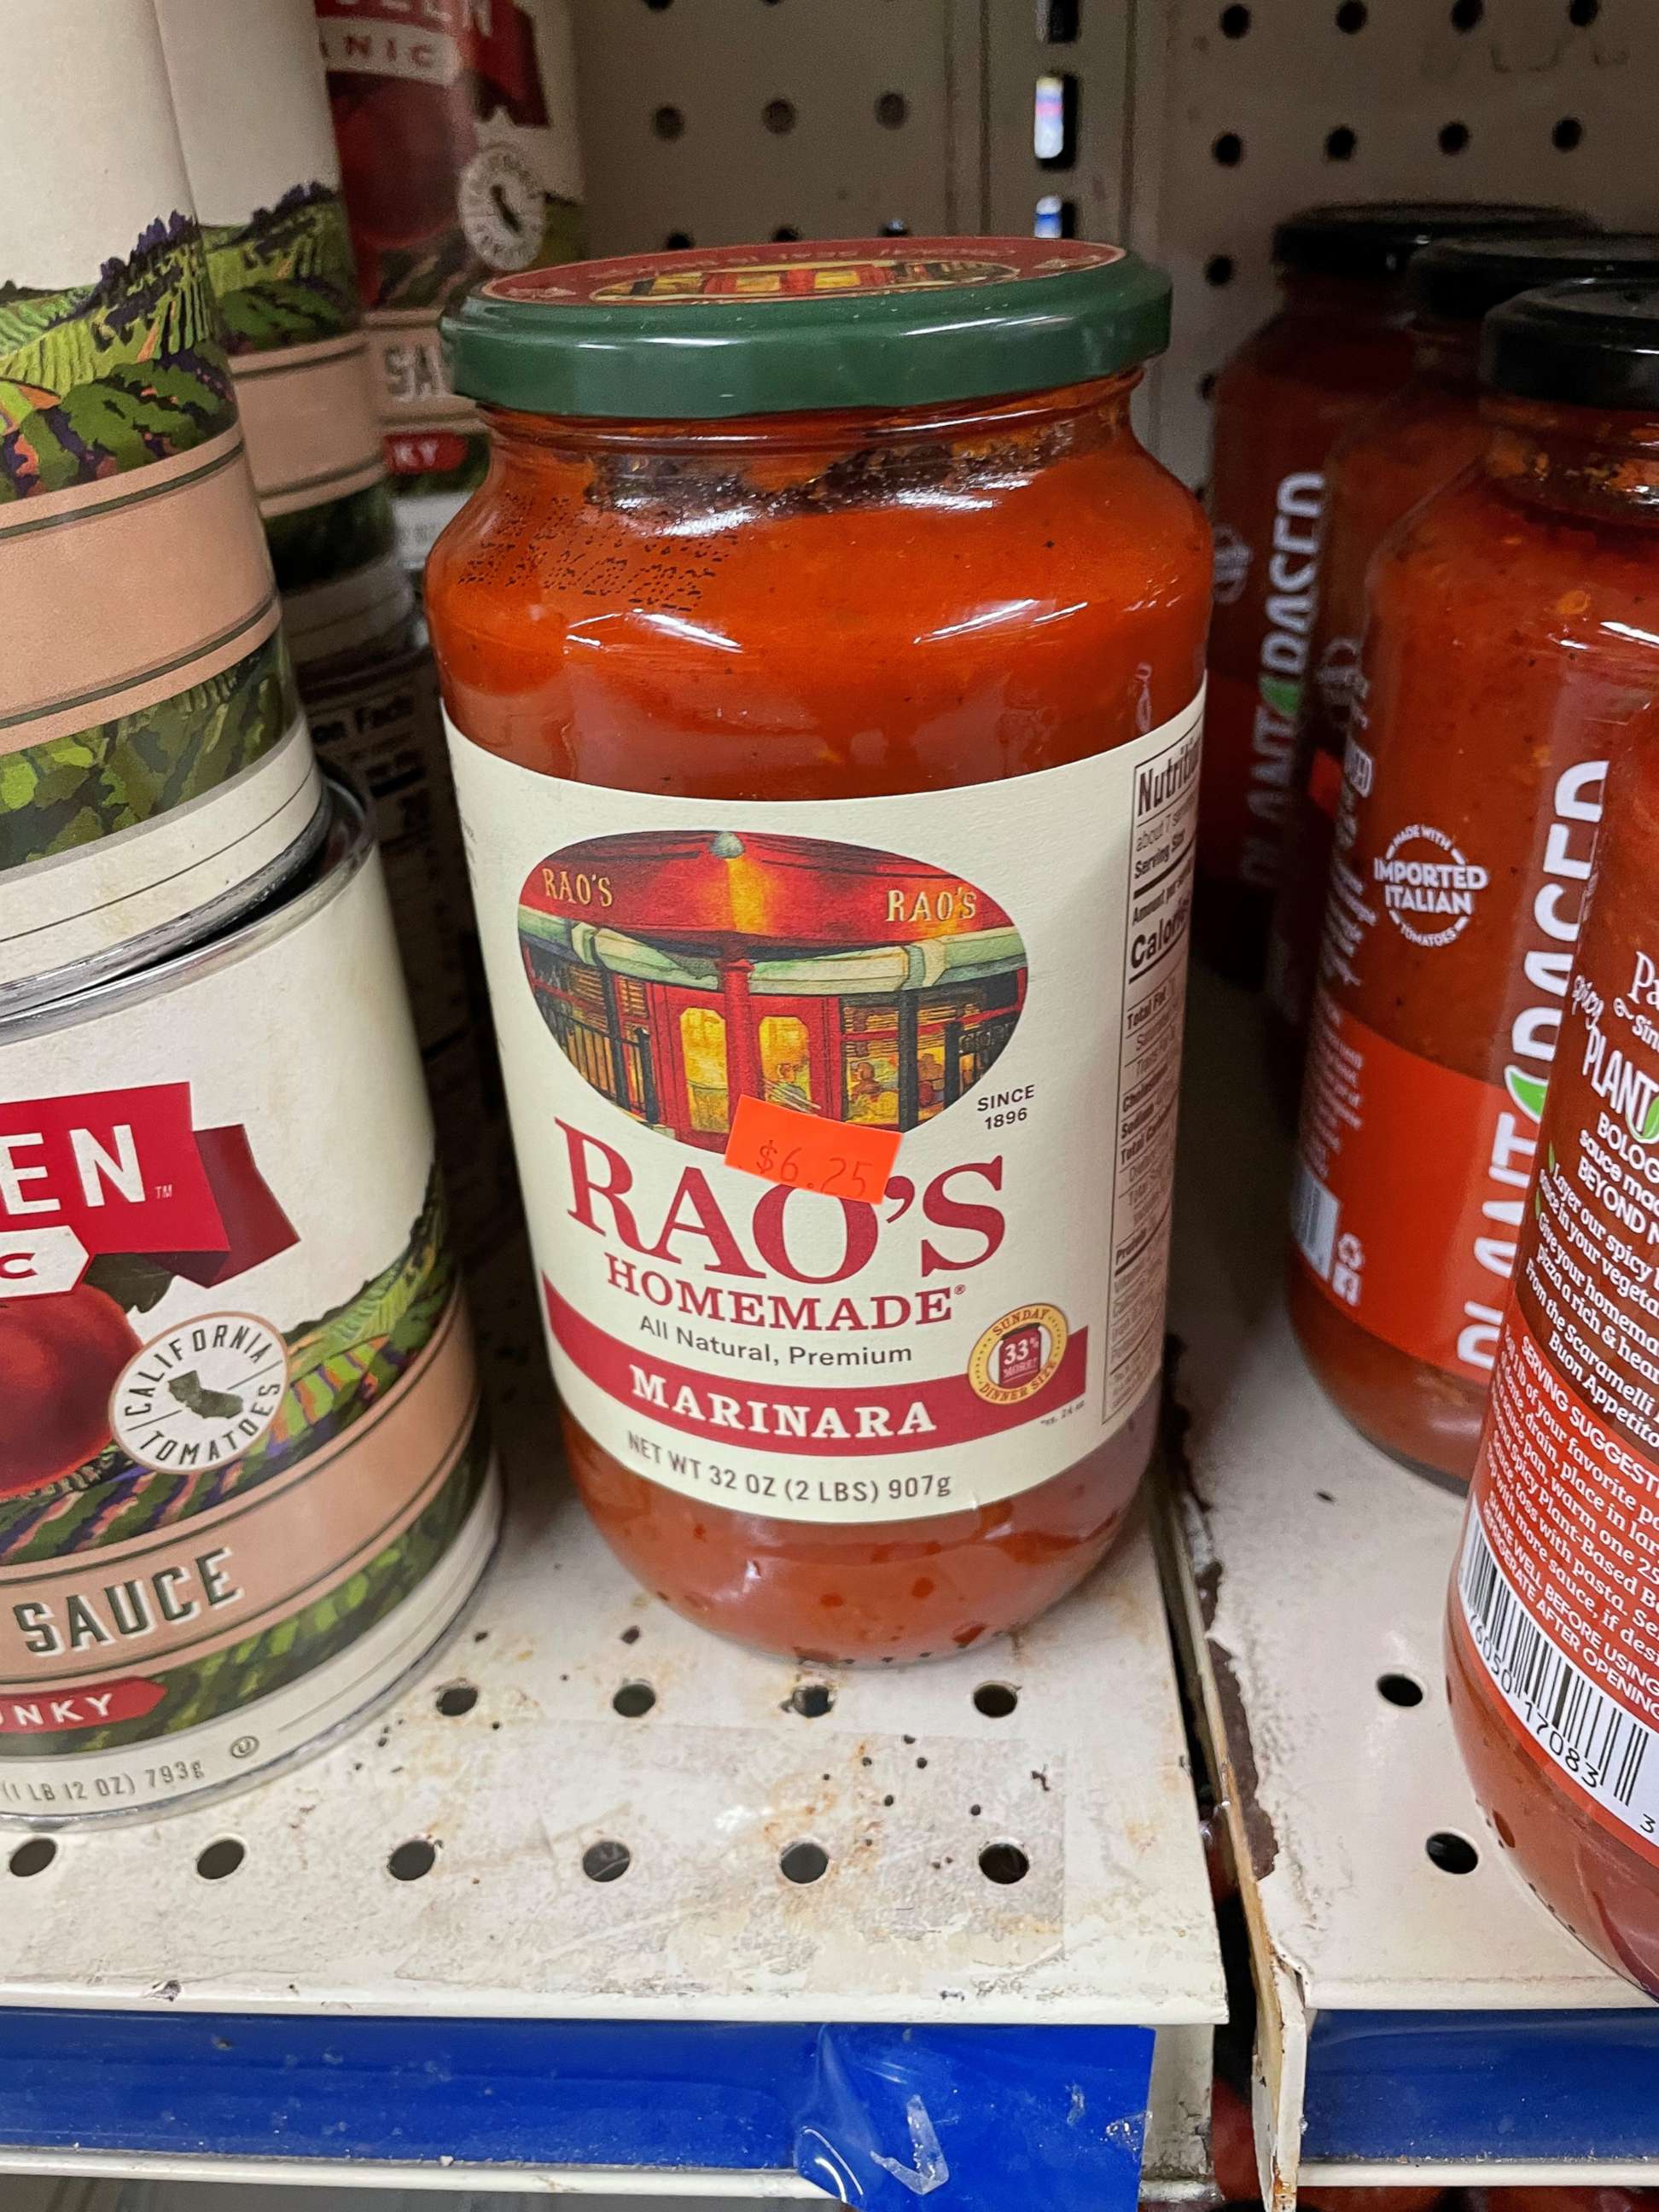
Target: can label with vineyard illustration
154,771
253,118
460,159
244,1484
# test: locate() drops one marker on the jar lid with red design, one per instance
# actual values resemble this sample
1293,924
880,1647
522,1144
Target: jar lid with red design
842,323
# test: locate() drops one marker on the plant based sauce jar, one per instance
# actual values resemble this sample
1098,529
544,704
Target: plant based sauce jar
1552,1639
1510,645
458,147
1337,345
1392,458
824,660
244,1484
156,777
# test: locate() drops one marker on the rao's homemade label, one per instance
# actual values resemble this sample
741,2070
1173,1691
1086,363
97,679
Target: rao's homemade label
996,973
151,760
243,1479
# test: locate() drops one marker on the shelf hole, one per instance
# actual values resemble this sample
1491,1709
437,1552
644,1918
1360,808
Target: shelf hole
456,1699
607,1860
996,1700
895,229
1053,121
413,1859
668,123
1234,22
779,116
1583,13
657,6
1057,22
633,1699
32,1857
221,1859
1400,1689
1452,1853
678,240
784,234
803,1863
1207,384
1454,138
1218,268
1351,17
1466,14
811,1700
892,111
1004,1863
1054,217
1340,143
1229,149
1568,133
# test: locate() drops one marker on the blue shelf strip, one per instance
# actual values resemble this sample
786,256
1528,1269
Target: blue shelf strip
983,2118
1470,2085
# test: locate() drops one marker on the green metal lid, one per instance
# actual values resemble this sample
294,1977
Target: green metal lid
767,329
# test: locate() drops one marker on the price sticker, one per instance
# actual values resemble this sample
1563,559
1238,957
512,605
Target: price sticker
843,1159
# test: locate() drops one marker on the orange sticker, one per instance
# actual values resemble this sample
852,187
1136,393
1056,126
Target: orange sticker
843,1159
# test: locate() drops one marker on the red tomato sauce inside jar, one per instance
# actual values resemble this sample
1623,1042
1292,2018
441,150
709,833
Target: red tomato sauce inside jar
823,657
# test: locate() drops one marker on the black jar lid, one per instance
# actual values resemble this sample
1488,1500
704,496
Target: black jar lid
1380,238
1462,279
1592,344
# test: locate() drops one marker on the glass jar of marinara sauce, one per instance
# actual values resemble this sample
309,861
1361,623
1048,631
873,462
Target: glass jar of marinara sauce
1405,448
1338,344
823,660
1511,642
1553,1633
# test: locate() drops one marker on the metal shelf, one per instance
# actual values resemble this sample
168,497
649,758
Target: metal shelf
1408,2016
505,2008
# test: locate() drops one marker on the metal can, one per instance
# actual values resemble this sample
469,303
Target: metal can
154,771
245,1483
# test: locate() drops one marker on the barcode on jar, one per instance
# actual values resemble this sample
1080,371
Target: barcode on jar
1587,1734
1313,1221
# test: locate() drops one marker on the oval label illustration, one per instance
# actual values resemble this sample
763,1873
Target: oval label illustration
679,971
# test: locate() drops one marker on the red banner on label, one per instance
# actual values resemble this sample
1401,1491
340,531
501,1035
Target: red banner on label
818,1422
49,1713
843,1159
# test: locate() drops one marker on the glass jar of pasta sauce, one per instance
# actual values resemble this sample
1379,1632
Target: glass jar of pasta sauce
1511,643
1408,446
823,660
1552,1637
1338,342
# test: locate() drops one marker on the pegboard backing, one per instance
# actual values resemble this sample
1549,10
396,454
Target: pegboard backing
1535,99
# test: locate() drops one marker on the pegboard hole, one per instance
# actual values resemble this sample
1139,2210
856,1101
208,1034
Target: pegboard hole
221,1859
1452,1853
1583,13
779,116
1234,22
1054,217
1003,1863
1059,21
811,1700
1352,16
1400,1689
32,1857
996,1700
892,111
1053,121
633,1699
456,1699
1467,14
895,229
784,234
1341,144
668,123
1229,149
1454,138
1568,133
803,1863
607,1860
1219,270
410,1861
657,6
678,240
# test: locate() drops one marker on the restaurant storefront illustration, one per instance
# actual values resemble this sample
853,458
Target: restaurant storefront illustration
679,971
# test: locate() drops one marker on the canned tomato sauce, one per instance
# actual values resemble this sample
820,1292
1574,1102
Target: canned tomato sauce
824,659
154,771
244,1482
